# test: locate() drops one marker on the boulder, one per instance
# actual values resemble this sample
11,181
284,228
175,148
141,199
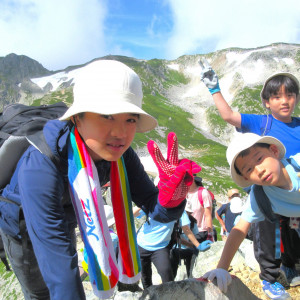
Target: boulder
194,289
211,258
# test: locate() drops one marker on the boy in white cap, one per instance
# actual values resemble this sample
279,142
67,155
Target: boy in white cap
256,160
93,147
280,95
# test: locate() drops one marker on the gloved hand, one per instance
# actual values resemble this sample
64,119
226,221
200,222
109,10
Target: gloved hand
204,245
209,77
223,278
210,237
175,176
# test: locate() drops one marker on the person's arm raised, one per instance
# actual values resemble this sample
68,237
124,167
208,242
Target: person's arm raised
210,79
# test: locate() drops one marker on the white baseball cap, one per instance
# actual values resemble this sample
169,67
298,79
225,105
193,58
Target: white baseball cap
109,87
243,141
231,192
287,74
236,205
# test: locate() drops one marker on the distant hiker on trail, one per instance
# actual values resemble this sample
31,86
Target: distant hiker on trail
260,162
230,211
155,242
92,141
280,95
200,201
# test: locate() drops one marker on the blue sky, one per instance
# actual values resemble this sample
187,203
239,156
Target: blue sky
60,33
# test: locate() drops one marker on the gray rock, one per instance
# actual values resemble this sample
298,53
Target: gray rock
211,258
193,289
246,249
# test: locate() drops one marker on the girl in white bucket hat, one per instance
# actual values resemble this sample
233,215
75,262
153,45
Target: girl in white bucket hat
108,87
91,147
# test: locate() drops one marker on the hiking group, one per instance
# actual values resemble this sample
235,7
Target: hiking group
54,185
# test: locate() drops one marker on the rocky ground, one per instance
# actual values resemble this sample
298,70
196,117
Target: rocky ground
10,288
251,279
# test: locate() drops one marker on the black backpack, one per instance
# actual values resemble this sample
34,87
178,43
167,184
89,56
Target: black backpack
175,236
20,126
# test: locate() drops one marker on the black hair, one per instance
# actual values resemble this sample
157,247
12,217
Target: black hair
273,86
81,115
247,151
198,180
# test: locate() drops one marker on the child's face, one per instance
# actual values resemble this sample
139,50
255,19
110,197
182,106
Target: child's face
261,166
282,105
107,136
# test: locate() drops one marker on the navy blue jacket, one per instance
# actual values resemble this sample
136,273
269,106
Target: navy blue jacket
39,187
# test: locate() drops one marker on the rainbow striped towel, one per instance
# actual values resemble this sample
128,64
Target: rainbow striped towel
104,270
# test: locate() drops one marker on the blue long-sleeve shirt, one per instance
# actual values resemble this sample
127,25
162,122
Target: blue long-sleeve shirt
39,187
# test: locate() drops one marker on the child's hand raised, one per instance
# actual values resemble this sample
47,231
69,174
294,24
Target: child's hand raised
175,176
209,77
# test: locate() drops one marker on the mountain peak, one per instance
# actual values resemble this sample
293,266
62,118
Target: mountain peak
15,68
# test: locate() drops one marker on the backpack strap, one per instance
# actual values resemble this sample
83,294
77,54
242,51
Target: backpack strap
200,189
39,142
265,125
9,201
264,203
200,195
265,207
294,163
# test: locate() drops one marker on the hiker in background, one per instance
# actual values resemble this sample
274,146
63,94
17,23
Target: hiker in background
153,239
155,242
187,247
92,142
229,211
3,255
279,95
200,200
259,161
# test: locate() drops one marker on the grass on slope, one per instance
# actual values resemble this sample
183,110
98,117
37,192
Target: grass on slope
156,77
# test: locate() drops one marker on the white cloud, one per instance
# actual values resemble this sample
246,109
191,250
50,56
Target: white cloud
56,33
60,33
203,26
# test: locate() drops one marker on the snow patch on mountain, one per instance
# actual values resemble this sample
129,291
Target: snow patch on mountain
57,79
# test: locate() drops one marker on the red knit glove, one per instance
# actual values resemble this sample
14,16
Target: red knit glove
175,176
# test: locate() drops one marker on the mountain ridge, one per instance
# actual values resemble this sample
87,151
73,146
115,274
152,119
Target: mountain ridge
176,97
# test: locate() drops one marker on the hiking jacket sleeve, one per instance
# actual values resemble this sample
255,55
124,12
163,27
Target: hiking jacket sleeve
41,188
145,194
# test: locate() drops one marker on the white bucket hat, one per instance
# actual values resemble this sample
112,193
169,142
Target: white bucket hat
109,87
109,213
287,74
236,205
243,141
